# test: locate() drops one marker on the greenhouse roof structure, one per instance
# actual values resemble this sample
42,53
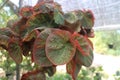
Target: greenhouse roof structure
106,12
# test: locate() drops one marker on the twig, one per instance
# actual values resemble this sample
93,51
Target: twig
3,4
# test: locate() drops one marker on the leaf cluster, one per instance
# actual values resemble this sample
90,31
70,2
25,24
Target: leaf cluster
51,38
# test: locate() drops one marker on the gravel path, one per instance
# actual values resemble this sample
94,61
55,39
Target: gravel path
110,63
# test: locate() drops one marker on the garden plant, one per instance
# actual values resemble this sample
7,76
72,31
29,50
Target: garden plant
51,38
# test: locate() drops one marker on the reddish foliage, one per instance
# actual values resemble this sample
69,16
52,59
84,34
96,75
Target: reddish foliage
34,75
90,15
26,11
78,45
50,38
73,69
15,50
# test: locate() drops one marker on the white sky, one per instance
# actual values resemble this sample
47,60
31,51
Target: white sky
64,3
30,2
33,2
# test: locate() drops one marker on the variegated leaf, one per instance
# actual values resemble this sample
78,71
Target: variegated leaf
32,35
85,60
40,20
39,55
84,50
4,40
59,49
7,32
26,11
15,50
85,19
73,69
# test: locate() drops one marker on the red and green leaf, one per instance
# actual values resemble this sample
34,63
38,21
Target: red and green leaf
84,60
39,56
86,18
37,7
4,41
7,32
73,69
28,40
26,11
59,49
40,20
82,43
84,50
15,50
19,26
32,35
34,75
90,15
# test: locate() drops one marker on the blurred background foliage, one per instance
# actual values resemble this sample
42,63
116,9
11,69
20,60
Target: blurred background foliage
107,42
6,14
6,63
92,73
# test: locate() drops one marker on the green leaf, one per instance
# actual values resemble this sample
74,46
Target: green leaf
39,55
34,75
70,17
15,51
58,17
84,60
71,22
73,69
59,49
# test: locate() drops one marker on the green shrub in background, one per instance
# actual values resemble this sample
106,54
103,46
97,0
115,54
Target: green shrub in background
92,73
3,78
107,42
60,76
117,75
